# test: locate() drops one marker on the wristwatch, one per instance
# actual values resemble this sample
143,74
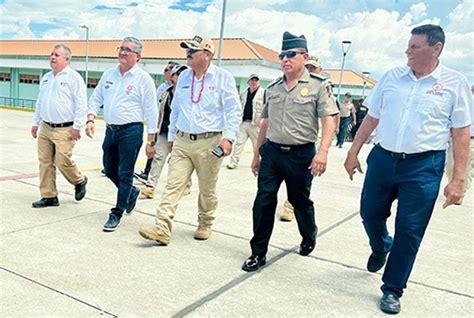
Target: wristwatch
150,143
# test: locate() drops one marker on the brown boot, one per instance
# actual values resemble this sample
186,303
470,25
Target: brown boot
154,234
202,233
148,192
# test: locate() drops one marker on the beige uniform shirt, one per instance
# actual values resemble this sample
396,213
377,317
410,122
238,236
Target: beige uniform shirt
346,109
293,114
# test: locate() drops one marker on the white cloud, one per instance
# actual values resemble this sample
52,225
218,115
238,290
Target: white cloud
418,11
460,19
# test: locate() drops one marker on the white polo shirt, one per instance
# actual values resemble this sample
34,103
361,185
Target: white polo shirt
217,109
61,99
126,99
416,115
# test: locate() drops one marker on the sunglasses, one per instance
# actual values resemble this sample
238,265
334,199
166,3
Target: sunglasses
125,49
191,51
289,54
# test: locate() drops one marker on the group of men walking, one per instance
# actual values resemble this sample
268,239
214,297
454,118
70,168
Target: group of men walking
417,109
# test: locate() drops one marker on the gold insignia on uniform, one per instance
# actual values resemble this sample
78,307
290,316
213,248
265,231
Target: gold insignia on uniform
304,91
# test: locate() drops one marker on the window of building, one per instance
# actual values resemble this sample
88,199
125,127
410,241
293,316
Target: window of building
29,79
4,77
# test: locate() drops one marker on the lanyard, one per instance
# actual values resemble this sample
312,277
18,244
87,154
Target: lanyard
200,91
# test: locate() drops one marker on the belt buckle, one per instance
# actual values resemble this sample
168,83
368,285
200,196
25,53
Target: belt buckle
285,149
403,155
193,137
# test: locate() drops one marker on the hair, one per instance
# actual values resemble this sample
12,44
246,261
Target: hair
172,63
138,44
66,51
348,94
434,33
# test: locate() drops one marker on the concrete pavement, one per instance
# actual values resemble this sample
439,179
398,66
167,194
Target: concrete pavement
58,262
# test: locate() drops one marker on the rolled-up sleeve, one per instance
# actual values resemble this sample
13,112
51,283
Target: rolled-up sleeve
232,108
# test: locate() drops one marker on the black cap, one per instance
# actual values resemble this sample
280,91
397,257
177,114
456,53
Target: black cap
291,41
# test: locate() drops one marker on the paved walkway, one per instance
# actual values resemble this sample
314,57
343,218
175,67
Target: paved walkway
58,262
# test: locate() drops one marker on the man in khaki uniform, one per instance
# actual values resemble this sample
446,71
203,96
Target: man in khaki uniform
60,111
286,144
252,105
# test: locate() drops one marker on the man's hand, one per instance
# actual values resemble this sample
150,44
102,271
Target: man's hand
150,151
76,134
226,145
170,146
255,165
453,193
34,131
90,129
351,164
319,163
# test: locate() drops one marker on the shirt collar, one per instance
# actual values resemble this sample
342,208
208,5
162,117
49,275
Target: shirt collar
303,79
66,70
436,74
131,71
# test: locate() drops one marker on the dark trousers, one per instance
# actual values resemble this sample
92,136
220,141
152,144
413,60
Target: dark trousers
276,166
344,125
121,147
415,182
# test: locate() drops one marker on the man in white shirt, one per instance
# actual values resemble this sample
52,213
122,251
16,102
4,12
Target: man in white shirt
415,108
252,106
61,111
129,98
205,105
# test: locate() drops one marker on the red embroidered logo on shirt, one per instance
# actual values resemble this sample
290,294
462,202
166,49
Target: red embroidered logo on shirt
435,90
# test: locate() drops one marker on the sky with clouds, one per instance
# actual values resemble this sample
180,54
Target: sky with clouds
379,29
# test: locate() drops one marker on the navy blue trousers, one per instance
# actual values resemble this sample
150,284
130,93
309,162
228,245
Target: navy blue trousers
415,182
344,125
121,147
277,166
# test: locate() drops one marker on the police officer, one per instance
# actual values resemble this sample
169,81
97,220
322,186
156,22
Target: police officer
415,109
286,144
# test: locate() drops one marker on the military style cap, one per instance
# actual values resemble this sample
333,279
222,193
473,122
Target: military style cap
199,42
313,61
291,41
252,76
178,69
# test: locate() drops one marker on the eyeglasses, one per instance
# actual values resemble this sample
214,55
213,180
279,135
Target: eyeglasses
126,50
289,54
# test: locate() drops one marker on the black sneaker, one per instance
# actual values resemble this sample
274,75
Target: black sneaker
133,200
376,262
253,263
81,189
45,202
112,223
142,177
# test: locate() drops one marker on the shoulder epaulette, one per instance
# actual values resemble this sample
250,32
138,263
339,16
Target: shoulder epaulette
317,76
279,79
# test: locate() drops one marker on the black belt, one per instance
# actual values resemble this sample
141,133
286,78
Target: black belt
123,126
402,155
61,125
288,148
197,136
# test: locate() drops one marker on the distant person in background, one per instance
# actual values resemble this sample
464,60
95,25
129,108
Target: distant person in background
161,144
348,118
61,111
252,104
361,111
143,176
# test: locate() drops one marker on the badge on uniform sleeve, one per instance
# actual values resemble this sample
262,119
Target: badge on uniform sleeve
329,89
304,91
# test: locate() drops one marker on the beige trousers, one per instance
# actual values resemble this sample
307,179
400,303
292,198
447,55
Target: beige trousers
246,130
159,160
189,155
55,150
470,165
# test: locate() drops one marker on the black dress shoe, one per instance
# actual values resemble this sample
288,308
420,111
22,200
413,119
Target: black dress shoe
390,304
376,262
253,263
112,223
307,247
133,200
45,202
81,189
142,177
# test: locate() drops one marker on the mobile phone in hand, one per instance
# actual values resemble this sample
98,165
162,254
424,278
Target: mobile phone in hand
218,151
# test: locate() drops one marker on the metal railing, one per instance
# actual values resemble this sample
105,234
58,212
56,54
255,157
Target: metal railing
17,102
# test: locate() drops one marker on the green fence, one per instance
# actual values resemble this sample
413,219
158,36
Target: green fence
17,102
